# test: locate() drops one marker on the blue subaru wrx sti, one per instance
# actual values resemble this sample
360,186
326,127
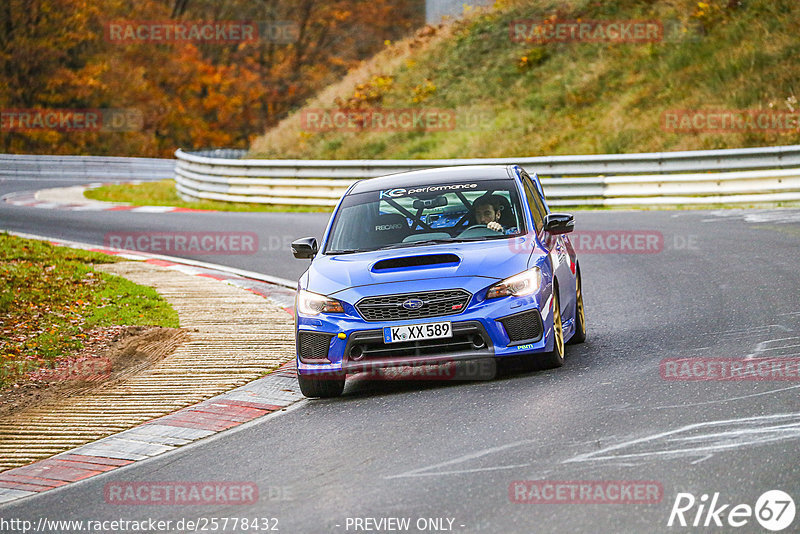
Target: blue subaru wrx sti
458,263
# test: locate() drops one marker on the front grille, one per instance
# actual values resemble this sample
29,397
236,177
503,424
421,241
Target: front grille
468,336
434,304
313,345
525,326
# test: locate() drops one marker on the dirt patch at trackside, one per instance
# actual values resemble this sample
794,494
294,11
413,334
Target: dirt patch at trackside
109,355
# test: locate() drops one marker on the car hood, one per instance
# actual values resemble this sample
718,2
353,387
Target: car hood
491,260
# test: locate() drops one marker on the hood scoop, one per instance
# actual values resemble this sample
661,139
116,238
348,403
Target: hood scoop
417,262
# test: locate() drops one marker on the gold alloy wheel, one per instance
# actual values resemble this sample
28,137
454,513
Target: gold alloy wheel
555,357
558,329
581,313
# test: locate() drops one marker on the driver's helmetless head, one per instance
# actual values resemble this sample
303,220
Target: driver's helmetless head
486,211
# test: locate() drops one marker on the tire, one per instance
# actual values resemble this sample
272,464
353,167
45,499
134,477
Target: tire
580,315
322,385
551,360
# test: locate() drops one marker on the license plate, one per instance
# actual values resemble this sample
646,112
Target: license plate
413,332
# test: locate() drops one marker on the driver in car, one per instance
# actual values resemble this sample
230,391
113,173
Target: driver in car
488,211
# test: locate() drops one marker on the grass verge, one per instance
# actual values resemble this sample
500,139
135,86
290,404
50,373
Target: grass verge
51,297
526,98
163,193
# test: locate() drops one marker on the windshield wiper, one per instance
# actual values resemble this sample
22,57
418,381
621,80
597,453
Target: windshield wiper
349,251
487,237
419,243
425,242
452,240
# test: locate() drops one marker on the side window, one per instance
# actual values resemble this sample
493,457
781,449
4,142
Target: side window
539,203
532,197
537,198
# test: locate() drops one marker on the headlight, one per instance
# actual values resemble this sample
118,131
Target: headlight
518,285
313,304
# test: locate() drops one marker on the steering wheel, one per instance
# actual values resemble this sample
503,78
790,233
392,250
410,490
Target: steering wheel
474,226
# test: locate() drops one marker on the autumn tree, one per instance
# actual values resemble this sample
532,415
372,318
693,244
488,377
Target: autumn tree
55,54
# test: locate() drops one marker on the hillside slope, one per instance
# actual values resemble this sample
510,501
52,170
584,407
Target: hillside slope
530,98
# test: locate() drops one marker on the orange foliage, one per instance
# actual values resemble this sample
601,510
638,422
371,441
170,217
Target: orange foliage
55,55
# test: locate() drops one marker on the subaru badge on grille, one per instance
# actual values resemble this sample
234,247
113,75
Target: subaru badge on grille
413,304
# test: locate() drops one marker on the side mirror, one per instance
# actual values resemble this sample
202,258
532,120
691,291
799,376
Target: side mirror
559,223
305,248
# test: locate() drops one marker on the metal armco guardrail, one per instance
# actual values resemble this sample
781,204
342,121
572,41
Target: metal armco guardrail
750,175
86,167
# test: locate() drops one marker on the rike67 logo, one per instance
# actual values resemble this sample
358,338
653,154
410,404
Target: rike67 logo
774,510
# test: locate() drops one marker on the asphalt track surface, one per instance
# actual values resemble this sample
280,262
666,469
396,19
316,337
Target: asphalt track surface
722,285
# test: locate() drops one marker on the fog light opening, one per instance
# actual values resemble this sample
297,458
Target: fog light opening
356,353
478,342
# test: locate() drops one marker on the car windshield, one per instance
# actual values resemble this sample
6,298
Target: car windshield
475,210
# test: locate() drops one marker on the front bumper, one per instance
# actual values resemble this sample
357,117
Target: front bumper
478,332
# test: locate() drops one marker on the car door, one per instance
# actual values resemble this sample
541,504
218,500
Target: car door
561,257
